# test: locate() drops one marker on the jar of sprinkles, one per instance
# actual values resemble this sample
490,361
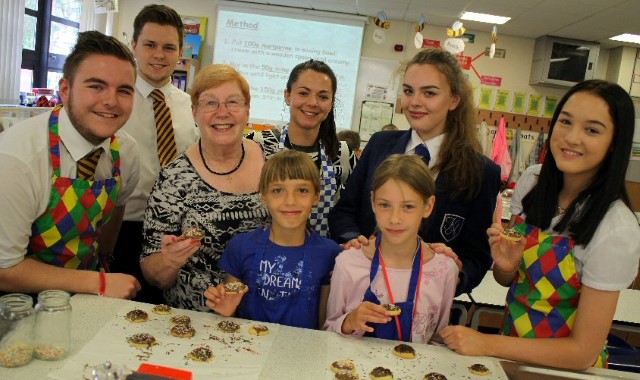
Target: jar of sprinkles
53,325
16,329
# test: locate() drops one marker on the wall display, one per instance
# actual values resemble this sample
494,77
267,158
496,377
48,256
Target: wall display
105,6
377,81
487,97
519,101
550,103
373,116
265,42
535,103
502,100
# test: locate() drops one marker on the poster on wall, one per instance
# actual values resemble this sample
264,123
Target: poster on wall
373,116
105,6
519,101
550,103
487,96
535,103
502,100
195,31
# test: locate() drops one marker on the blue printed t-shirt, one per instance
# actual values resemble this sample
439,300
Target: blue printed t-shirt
281,289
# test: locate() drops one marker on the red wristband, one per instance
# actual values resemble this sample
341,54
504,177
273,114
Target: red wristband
103,283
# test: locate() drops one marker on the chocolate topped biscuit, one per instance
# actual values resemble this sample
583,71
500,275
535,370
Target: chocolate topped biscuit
479,369
181,320
137,316
201,354
194,233
228,326
381,373
404,351
142,340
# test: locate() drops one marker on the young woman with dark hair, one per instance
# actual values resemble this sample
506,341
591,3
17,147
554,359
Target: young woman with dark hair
582,241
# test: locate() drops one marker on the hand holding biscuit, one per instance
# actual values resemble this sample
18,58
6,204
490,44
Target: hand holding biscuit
507,247
366,312
223,301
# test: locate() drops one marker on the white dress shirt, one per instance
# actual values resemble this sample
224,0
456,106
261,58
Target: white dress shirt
142,127
26,172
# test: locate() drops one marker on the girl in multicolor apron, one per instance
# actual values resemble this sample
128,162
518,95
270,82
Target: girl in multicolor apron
311,96
581,240
285,265
400,269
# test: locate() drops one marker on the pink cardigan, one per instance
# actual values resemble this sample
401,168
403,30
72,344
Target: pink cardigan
350,280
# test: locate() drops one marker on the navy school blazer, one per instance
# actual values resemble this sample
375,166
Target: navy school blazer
459,224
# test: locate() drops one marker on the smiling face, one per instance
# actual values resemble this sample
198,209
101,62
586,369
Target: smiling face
289,203
223,126
399,211
426,100
582,136
157,50
99,98
310,99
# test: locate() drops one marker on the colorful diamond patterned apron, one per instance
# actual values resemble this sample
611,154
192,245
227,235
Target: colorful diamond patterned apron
66,235
542,301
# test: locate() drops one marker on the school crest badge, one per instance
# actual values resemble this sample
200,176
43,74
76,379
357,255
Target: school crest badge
451,226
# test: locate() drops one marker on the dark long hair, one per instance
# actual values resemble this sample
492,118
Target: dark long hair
585,213
459,155
327,133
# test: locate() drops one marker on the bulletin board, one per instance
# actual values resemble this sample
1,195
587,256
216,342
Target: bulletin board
373,116
377,82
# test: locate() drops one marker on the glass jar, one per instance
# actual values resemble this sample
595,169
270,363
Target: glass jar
16,329
53,325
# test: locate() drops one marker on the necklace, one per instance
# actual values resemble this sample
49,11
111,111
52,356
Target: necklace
215,172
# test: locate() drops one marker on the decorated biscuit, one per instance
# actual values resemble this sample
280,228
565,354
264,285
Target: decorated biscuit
162,309
479,369
346,375
235,287
381,373
392,309
194,233
434,376
137,316
142,340
511,234
181,320
201,354
183,331
404,351
259,330
343,366
228,326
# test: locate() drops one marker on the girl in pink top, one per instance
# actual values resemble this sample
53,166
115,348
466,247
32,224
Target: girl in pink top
399,269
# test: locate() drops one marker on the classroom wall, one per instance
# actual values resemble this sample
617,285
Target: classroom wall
616,64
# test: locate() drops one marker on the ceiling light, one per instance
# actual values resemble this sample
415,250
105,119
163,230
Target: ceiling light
627,37
484,17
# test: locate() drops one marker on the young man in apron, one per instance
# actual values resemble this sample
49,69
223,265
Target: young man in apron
66,175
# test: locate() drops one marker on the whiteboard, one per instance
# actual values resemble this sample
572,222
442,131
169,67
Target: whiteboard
377,81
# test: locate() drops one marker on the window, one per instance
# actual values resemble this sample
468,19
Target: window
51,30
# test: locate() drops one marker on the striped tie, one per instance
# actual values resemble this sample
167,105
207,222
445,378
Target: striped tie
423,152
164,127
87,165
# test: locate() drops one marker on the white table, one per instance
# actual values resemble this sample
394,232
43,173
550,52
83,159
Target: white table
293,353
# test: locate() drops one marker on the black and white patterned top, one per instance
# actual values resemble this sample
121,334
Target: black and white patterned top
181,199
270,144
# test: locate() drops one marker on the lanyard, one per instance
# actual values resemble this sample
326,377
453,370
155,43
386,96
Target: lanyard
386,280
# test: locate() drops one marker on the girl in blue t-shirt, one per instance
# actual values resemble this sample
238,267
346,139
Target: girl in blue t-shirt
285,266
